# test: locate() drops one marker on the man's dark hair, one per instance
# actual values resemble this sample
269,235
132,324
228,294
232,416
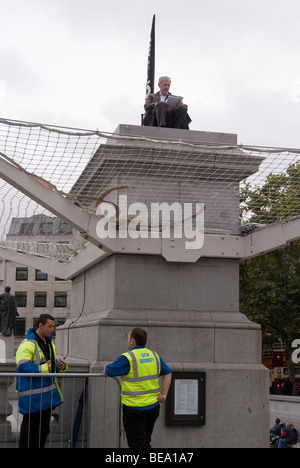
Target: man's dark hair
43,319
7,289
140,336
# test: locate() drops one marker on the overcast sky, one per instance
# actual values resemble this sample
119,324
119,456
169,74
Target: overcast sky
82,63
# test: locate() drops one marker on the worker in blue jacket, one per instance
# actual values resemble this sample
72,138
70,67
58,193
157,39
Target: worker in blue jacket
38,396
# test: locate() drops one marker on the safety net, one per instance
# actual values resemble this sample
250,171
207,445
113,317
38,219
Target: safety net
238,185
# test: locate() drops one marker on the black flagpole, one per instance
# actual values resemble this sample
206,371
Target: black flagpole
151,61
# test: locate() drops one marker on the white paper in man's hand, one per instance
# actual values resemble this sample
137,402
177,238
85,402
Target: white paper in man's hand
172,101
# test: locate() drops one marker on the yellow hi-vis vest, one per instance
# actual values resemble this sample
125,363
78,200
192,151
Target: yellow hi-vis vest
140,387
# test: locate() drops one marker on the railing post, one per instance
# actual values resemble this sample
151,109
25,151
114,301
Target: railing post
103,407
5,407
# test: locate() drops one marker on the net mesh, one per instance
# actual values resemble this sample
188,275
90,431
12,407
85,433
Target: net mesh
91,166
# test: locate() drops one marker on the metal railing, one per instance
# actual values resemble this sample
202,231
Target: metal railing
82,421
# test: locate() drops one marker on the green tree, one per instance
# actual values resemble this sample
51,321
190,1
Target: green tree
270,284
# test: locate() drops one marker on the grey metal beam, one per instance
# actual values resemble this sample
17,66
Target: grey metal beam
271,237
47,265
60,206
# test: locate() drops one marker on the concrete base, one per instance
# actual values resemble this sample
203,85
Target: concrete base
191,314
236,411
191,136
286,408
6,349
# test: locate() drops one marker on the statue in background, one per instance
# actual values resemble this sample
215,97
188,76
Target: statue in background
8,312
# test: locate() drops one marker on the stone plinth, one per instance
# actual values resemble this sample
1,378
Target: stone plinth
191,314
6,348
187,170
190,310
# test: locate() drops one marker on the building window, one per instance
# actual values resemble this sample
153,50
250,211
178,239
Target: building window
21,274
60,299
40,299
21,298
66,228
59,321
40,276
46,228
20,327
26,229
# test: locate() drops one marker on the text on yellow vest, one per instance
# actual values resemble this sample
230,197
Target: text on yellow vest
140,387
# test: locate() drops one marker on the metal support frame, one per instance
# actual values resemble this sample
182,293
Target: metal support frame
238,247
271,237
85,259
56,203
235,247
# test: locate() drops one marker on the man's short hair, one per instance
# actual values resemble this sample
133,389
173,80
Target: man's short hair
164,78
43,319
140,336
7,289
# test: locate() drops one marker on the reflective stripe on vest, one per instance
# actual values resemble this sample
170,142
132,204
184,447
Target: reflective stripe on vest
37,391
38,360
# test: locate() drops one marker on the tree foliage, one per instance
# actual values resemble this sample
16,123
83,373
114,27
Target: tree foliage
270,284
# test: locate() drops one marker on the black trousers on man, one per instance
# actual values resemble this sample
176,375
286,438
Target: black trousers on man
172,119
34,430
139,426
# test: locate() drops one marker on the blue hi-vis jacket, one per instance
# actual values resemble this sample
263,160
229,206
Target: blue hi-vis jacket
35,393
